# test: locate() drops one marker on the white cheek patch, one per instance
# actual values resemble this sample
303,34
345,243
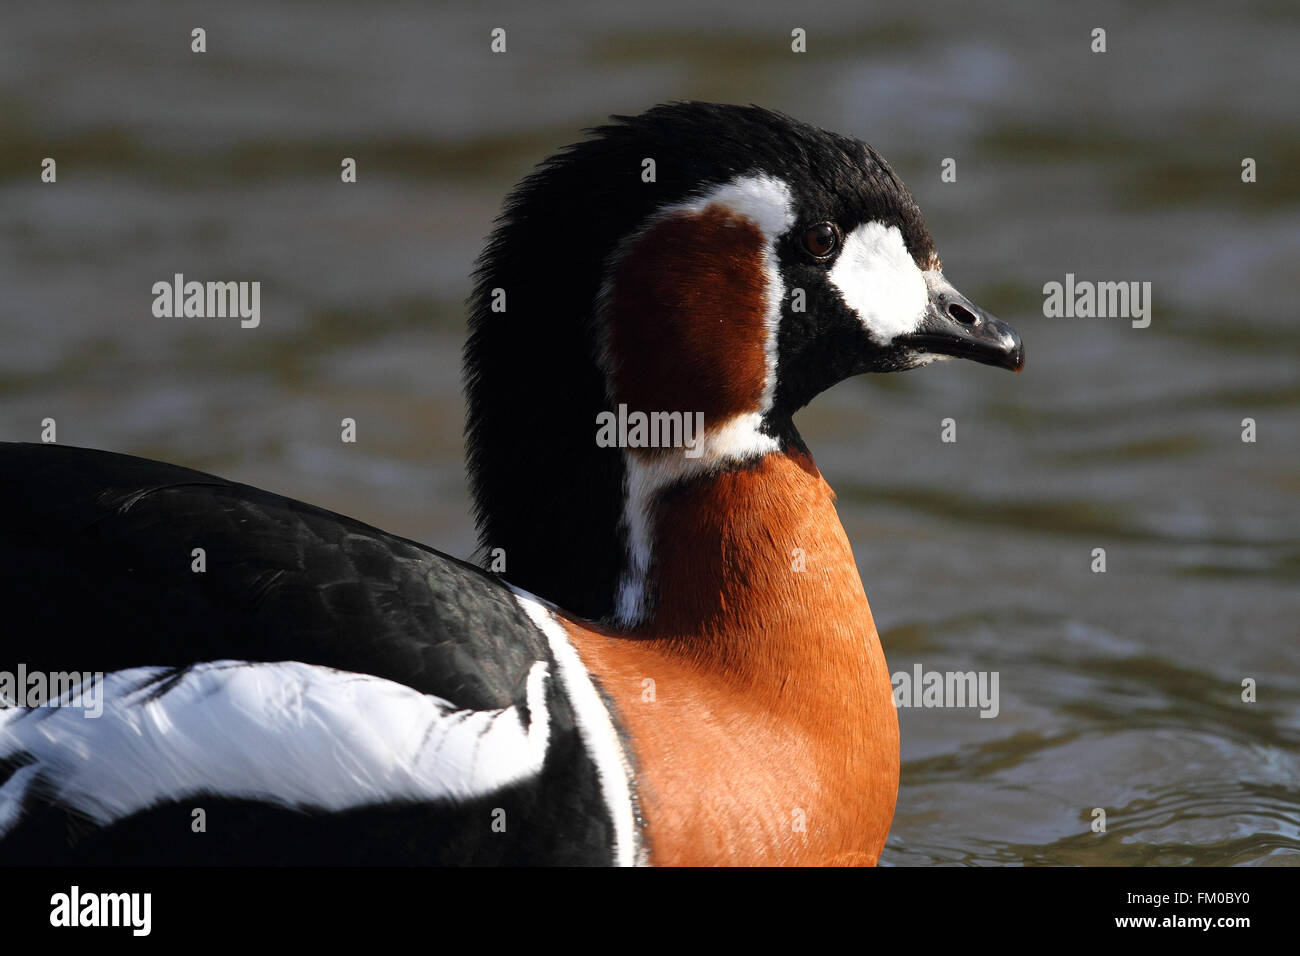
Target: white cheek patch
879,281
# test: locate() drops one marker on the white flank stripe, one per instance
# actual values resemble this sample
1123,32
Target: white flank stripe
595,725
289,733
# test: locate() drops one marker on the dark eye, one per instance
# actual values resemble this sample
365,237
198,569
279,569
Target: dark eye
821,240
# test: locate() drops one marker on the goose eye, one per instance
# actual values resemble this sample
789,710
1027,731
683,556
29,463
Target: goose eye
821,240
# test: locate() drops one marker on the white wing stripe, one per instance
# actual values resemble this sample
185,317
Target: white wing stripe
295,734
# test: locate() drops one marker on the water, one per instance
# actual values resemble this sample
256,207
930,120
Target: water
1119,690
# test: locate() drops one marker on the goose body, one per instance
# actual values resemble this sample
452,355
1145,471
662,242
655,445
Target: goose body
678,663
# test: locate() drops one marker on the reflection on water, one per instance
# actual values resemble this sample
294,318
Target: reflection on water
1119,691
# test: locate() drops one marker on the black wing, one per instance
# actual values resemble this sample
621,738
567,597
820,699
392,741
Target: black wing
97,574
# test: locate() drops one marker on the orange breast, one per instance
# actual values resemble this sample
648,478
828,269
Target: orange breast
757,697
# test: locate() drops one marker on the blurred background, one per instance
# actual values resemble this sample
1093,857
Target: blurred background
1119,690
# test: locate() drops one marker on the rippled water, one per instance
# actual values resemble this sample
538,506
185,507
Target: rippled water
1118,690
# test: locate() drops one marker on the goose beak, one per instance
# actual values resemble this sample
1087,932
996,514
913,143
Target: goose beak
954,325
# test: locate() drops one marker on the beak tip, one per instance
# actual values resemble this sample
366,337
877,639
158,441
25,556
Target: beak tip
1014,355
955,326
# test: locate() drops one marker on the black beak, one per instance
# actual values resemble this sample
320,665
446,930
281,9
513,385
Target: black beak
954,325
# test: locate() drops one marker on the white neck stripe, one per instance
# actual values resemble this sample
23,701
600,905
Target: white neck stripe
766,202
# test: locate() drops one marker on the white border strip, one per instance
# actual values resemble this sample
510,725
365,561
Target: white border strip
595,725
